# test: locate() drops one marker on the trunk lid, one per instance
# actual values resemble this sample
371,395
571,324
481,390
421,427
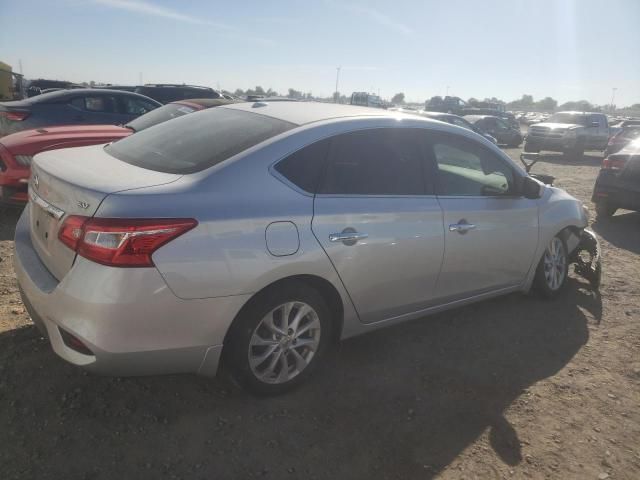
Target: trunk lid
74,182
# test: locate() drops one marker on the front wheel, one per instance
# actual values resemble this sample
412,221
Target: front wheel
530,149
552,271
278,340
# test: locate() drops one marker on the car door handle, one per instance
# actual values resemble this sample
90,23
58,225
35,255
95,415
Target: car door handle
461,227
348,238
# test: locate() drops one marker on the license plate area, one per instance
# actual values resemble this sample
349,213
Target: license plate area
45,219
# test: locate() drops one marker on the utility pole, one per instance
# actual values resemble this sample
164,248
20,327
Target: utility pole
20,66
337,95
613,97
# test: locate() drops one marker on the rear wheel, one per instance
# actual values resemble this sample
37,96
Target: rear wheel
277,342
605,209
552,271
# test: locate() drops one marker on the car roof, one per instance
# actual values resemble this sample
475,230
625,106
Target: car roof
475,118
300,113
60,95
206,102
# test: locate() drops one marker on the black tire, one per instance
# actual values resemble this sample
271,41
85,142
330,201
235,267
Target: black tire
236,349
529,149
540,282
605,210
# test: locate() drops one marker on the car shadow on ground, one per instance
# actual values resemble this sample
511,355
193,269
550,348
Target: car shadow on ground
8,219
401,402
621,230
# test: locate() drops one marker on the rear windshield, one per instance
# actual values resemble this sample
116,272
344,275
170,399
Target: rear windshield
194,142
159,115
570,118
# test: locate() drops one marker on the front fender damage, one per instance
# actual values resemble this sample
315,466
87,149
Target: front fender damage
587,258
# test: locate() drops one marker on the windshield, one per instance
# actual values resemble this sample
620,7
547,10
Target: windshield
572,118
192,143
159,115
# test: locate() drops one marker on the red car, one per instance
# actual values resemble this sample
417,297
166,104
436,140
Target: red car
17,149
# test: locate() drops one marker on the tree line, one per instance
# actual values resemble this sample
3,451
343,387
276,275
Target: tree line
526,102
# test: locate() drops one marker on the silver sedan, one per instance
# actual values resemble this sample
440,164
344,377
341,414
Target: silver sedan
253,236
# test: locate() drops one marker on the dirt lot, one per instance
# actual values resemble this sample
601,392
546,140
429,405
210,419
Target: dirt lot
510,388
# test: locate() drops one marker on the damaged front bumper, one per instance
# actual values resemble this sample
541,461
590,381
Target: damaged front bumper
587,258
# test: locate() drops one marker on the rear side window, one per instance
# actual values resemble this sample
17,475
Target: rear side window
385,161
304,167
197,141
98,103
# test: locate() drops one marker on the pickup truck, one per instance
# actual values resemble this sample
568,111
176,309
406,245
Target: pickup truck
570,133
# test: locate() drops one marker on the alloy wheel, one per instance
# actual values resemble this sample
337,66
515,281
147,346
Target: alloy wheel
555,264
284,342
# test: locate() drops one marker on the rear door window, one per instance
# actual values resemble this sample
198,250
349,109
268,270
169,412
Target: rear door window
386,161
95,103
196,141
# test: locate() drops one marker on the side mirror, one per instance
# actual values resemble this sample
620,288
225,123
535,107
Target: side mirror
531,188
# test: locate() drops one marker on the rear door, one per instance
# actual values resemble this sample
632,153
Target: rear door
376,217
491,232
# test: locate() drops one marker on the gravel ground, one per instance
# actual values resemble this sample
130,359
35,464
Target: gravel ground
510,388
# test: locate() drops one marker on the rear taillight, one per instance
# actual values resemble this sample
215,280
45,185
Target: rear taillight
14,115
614,162
121,242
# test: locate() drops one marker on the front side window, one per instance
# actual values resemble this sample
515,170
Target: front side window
376,162
465,168
135,106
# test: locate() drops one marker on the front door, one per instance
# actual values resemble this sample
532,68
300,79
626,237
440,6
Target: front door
491,232
376,217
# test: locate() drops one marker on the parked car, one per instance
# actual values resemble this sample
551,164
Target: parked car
570,133
169,92
623,137
365,99
262,234
508,117
83,106
615,128
618,183
448,104
17,150
503,132
456,120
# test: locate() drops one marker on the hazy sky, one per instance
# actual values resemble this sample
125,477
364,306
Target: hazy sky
567,49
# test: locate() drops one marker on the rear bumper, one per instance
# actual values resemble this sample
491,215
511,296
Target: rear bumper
128,318
615,190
